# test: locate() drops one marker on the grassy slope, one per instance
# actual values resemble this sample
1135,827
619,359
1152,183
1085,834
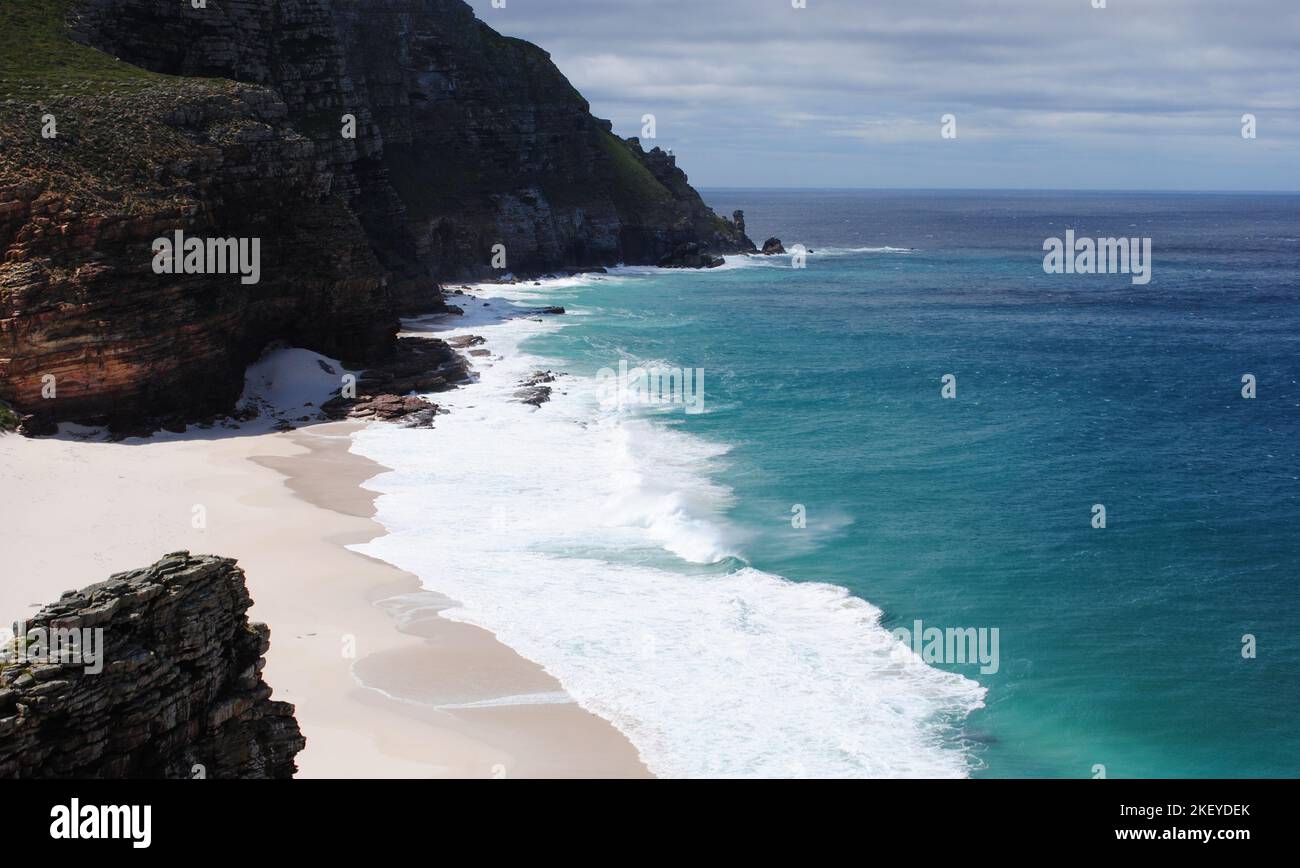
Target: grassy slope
635,190
37,56
111,139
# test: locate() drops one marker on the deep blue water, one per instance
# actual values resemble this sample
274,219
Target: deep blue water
1119,647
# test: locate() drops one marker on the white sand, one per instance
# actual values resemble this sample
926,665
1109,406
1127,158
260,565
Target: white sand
284,505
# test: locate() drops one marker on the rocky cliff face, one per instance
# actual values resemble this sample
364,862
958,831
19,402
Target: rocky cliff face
487,143
228,122
89,332
164,681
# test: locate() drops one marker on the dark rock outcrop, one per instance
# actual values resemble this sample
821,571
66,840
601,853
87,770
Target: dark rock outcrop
738,219
690,255
176,690
230,123
411,410
773,246
419,364
534,389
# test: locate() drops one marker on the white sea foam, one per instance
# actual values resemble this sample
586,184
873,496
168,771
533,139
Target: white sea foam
759,260
730,263
556,697
846,251
597,545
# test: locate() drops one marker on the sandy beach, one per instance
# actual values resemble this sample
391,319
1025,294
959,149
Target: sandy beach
356,644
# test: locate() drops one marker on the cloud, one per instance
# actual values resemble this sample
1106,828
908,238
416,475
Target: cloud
856,90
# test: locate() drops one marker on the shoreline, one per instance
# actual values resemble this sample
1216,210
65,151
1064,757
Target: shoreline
437,693
606,559
286,506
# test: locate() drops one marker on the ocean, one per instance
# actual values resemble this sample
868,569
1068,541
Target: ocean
723,584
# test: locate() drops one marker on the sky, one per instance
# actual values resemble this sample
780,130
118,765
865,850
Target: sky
1046,94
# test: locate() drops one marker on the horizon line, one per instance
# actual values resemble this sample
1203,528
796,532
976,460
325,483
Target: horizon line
1171,190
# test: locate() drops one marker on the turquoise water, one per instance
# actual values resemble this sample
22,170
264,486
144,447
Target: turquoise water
1120,646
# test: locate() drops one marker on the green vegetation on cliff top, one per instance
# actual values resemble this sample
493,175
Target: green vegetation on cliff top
111,138
635,189
38,56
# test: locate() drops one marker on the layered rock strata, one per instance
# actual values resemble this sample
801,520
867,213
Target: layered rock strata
372,148
155,673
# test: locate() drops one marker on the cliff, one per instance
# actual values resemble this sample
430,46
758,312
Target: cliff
165,677
228,122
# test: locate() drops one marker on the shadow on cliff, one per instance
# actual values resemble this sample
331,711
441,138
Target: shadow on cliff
292,388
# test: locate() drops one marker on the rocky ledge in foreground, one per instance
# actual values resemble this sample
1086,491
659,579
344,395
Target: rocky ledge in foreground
155,673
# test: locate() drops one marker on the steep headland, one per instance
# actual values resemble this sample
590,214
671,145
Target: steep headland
122,121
